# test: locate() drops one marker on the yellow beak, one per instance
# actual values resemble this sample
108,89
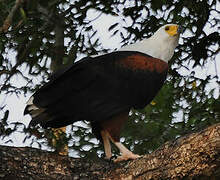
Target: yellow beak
173,30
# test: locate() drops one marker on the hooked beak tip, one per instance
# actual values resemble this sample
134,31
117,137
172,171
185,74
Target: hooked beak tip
180,29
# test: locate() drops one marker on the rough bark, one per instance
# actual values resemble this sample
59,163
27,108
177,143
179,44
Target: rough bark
195,156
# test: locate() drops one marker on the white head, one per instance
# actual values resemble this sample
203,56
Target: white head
161,45
168,33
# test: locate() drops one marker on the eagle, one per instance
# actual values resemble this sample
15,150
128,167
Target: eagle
102,89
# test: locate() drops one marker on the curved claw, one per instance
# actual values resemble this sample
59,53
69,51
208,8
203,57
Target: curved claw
125,157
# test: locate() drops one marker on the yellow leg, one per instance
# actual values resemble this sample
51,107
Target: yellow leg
125,153
107,145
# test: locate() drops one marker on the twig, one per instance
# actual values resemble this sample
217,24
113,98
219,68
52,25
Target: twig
9,18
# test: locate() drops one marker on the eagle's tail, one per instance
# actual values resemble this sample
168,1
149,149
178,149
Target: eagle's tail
42,117
38,115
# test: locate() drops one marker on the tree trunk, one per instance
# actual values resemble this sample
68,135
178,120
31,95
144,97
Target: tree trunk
195,156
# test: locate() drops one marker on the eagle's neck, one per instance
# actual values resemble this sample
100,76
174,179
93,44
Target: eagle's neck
159,48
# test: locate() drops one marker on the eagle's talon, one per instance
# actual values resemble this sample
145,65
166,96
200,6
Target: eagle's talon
113,158
126,157
110,160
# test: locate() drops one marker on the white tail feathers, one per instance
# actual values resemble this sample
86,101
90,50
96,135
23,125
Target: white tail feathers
30,101
32,109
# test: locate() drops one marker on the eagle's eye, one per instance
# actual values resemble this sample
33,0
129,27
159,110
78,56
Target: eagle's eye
167,28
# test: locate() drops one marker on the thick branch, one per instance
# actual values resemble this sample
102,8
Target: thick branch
194,156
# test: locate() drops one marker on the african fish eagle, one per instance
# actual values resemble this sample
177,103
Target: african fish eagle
103,89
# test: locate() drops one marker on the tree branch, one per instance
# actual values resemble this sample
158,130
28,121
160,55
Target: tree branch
10,16
195,156
57,62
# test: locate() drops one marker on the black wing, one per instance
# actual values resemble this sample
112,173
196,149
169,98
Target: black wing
98,88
